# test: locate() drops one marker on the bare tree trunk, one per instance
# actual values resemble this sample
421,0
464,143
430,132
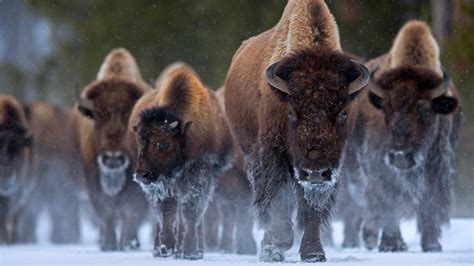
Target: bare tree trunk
440,18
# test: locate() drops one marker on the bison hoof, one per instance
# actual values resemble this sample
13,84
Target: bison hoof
108,247
432,247
196,255
313,257
370,238
248,249
131,246
394,245
163,252
271,253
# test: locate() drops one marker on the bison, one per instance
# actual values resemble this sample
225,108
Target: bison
182,142
230,208
100,120
288,100
16,181
57,171
403,146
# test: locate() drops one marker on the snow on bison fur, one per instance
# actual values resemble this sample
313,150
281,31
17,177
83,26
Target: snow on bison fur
100,120
288,99
402,153
16,181
183,142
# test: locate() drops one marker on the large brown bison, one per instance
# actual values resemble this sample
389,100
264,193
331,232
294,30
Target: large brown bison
16,181
100,118
288,99
57,171
403,145
182,142
230,208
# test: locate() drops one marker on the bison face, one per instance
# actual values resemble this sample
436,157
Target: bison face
14,139
318,88
411,100
161,138
109,104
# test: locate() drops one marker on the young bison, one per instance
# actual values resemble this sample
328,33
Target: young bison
408,127
16,181
288,99
182,142
230,208
100,119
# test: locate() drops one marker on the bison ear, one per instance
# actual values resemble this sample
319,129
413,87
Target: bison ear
444,105
186,128
375,100
86,107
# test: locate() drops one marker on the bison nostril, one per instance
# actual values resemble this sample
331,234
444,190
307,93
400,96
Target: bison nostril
326,175
316,176
113,160
144,177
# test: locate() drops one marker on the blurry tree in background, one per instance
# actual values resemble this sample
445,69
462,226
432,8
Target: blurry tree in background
49,49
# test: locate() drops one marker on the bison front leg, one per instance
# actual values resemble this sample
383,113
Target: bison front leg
193,211
108,239
244,227
309,220
228,221
279,234
129,234
169,210
211,226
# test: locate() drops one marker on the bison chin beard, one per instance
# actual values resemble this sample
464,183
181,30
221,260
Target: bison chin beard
319,195
161,188
112,180
8,185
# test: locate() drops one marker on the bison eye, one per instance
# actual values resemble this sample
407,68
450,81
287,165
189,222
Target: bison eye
342,117
162,146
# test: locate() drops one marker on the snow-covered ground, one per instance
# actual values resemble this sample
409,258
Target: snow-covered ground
457,241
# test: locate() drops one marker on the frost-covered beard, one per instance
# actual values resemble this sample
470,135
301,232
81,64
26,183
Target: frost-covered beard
411,180
112,180
163,187
319,195
8,185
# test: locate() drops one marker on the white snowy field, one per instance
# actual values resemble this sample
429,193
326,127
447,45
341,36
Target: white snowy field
457,241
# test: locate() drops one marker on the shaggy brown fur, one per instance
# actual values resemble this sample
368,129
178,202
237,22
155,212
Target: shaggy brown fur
58,171
230,208
182,142
409,139
291,139
100,121
16,181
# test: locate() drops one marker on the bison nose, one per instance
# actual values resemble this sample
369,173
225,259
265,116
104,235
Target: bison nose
114,160
401,159
317,176
143,176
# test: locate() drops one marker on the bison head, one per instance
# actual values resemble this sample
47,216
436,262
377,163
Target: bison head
411,100
161,138
14,139
318,87
109,104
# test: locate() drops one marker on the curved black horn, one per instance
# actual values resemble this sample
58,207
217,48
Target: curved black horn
275,80
362,80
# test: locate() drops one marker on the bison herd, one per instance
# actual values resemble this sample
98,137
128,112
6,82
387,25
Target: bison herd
299,126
